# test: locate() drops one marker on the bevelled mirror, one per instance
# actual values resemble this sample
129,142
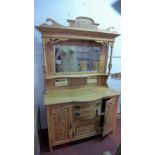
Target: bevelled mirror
69,58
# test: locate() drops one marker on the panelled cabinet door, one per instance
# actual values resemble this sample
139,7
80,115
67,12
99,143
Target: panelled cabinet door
110,116
61,124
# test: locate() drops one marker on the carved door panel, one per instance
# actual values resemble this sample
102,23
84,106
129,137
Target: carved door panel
110,116
61,124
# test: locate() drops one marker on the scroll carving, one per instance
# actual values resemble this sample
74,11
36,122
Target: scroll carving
51,22
83,22
58,109
54,40
102,42
78,22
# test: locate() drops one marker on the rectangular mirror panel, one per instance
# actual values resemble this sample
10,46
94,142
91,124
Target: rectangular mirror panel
70,58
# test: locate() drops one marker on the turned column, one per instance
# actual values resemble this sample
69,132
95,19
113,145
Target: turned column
110,61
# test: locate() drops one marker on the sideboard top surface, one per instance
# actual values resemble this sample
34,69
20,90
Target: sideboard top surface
84,94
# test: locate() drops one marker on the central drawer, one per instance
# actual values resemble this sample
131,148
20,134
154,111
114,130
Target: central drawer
85,129
85,111
85,118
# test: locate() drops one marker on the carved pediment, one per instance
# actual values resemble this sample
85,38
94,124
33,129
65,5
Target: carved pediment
78,22
83,22
79,28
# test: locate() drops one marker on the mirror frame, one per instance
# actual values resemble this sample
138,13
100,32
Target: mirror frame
79,43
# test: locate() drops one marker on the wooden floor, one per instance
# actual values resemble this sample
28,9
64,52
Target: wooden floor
89,146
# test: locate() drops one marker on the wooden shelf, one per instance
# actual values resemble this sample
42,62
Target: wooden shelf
83,94
79,75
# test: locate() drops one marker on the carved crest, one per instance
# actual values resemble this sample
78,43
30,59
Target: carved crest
78,22
83,22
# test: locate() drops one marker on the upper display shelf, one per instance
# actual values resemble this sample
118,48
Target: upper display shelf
80,24
76,75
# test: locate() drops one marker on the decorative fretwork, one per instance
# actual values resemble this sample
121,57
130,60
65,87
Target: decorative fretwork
102,42
54,40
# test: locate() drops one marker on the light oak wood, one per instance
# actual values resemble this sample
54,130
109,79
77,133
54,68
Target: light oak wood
62,121
75,75
45,61
78,81
110,116
103,51
110,62
50,57
83,94
80,106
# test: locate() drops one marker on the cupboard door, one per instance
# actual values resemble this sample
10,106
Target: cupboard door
110,116
61,124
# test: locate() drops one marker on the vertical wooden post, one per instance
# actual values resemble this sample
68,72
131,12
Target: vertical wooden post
45,62
50,57
110,61
53,59
101,59
106,57
49,121
102,64
44,55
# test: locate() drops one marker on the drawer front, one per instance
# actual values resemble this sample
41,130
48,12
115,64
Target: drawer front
85,129
86,110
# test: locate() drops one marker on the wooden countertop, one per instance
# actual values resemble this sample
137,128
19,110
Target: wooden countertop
84,94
